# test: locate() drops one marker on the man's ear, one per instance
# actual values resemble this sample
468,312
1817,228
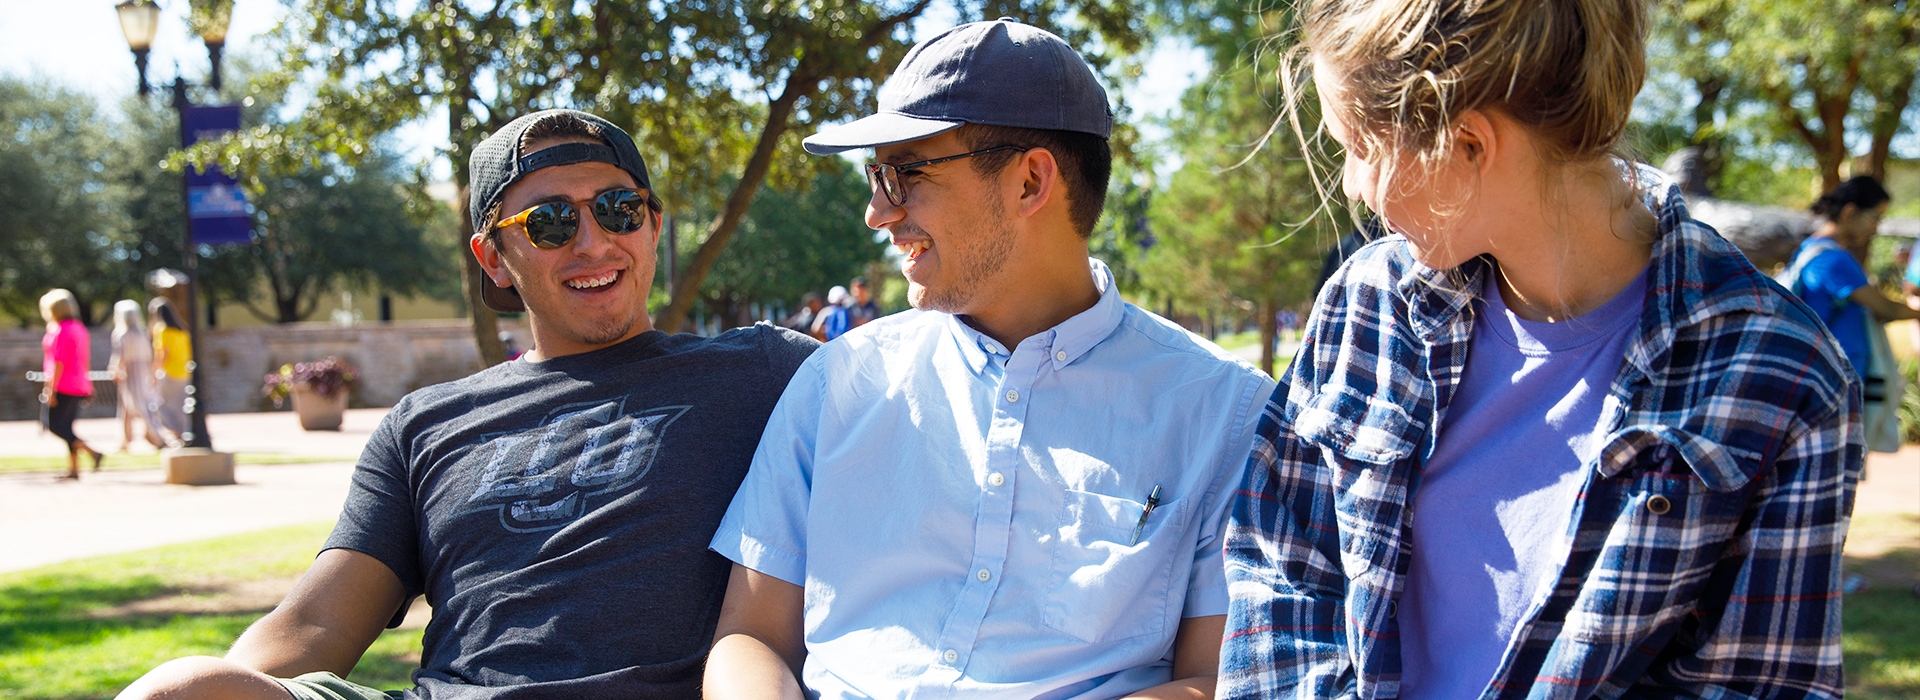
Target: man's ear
489,257
1039,180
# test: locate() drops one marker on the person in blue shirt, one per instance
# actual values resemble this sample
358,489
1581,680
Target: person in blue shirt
1015,490
1827,275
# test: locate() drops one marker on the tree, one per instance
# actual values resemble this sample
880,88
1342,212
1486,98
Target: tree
1241,219
62,228
711,89
1827,71
325,227
794,242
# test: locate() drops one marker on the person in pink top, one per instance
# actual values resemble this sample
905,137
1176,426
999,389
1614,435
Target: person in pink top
68,352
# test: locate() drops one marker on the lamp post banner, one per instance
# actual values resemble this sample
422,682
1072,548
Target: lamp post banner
215,203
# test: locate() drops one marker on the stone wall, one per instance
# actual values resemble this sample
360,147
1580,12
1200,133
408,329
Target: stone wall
393,359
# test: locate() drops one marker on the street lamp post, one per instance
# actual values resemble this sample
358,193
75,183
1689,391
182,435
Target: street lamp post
139,20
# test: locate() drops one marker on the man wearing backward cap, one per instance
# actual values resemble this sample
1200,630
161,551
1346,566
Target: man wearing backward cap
554,510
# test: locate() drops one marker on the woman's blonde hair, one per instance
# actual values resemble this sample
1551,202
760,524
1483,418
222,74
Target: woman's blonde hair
1566,70
58,305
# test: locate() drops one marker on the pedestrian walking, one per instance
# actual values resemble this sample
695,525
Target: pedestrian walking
172,350
67,349
132,367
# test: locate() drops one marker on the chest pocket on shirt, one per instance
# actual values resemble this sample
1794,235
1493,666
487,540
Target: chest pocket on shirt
1654,528
1103,588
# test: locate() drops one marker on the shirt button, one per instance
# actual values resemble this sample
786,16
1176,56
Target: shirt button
1013,396
984,575
1060,355
1659,505
995,479
951,656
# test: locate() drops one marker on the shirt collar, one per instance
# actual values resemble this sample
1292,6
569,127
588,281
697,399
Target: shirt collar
1063,343
1694,273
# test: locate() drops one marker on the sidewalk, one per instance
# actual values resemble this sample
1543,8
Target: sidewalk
44,520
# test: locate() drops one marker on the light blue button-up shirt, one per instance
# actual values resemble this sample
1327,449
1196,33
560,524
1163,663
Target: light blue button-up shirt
962,515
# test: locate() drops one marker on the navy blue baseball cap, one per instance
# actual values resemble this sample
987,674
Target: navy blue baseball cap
497,162
999,73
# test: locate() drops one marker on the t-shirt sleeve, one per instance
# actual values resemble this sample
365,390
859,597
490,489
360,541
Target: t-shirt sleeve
1207,582
1913,266
1834,273
765,527
379,518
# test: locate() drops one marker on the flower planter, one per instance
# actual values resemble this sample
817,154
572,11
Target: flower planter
319,412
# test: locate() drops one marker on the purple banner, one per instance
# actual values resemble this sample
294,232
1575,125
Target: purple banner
214,200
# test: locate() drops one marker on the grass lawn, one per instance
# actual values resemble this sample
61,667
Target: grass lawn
122,461
86,628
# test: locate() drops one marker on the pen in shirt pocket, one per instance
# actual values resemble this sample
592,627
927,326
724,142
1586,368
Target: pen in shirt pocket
1153,500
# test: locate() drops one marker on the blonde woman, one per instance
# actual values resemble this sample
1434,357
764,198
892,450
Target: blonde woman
132,366
172,350
1552,437
68,352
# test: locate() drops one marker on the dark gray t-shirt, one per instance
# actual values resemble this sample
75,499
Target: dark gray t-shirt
556,514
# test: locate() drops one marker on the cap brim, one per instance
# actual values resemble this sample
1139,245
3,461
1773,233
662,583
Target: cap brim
498,298
884,129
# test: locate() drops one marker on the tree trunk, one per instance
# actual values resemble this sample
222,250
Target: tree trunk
486,323
1269,328
1888,109
686,283
1706,133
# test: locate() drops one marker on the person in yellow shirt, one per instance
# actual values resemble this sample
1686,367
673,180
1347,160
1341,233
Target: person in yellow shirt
172,350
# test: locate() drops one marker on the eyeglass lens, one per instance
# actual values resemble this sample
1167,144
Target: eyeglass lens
554,224
888,178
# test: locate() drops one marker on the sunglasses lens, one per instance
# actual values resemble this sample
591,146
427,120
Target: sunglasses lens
620,211
551,225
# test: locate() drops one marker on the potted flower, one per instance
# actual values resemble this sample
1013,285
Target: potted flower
318,389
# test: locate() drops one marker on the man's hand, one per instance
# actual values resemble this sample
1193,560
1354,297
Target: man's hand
760,644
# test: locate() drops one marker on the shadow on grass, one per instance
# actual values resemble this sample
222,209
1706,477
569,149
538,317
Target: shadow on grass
60,636
1882,628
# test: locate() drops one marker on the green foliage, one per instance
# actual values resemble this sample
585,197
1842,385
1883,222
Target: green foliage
57,186
1830,78
1242,224
793,242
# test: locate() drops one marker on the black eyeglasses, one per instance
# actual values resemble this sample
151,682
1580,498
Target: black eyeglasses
888,174
554,224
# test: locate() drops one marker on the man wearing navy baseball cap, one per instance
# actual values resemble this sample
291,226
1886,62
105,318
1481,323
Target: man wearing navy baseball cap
1018,489
554,510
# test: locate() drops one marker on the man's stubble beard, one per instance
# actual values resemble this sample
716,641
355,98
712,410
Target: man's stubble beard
594,332
990,251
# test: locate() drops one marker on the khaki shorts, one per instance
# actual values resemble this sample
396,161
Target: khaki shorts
326,686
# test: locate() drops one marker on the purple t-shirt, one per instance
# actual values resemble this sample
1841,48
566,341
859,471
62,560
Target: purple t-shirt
1491,517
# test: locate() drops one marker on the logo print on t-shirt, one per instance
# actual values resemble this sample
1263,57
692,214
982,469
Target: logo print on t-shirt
545,478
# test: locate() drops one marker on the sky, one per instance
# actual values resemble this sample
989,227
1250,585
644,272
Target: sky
78,43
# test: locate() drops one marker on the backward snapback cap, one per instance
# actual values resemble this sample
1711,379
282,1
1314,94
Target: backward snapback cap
999,73
497,162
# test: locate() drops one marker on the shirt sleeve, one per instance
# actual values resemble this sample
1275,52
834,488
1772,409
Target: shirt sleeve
765,526
1286,631
379,517
1207,582
1835,273
1913,266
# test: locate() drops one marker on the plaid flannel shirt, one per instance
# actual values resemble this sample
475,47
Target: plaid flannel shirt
1705,557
